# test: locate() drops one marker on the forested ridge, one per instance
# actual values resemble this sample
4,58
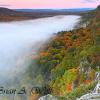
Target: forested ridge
69,61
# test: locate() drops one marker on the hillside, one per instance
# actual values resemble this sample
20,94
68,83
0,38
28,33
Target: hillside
10,15
6,11
71,59
67,64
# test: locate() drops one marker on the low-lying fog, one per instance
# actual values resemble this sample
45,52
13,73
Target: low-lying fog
16,38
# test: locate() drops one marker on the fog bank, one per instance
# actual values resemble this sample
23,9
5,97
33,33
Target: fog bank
16,39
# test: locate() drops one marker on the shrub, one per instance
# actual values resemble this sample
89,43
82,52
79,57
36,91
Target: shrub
79,91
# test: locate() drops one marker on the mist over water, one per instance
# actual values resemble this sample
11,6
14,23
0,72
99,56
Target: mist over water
17,38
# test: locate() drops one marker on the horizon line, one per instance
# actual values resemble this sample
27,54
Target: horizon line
51,8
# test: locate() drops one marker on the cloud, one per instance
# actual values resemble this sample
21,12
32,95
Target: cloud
3,5
91,0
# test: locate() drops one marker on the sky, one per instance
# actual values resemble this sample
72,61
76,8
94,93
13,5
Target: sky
54,4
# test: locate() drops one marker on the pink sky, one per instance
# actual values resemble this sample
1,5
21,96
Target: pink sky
49,3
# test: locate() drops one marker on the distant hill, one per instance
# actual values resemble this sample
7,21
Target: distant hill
24,14
92,14
9,14
53,10
6,10
98,8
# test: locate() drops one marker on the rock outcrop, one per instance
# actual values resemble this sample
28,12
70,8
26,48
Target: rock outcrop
48,97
